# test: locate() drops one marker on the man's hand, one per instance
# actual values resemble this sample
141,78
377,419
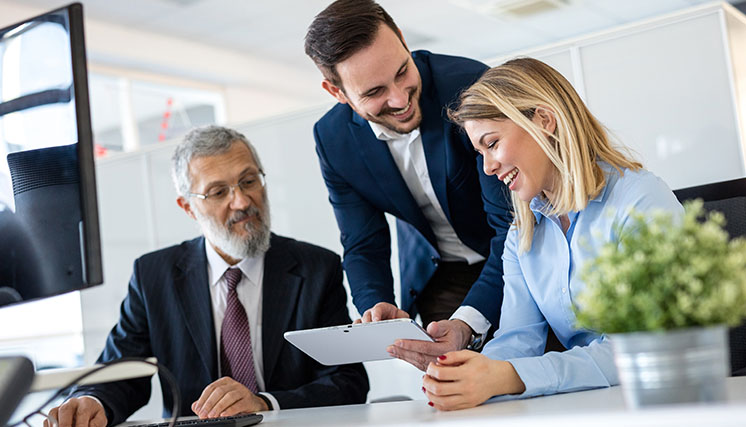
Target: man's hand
226,397
449,335
79,412
464,379
382,311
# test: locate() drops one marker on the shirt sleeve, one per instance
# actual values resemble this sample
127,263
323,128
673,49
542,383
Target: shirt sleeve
523,328
522,337
579,368
472,317
273,400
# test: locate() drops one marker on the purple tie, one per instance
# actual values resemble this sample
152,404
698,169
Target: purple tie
236,356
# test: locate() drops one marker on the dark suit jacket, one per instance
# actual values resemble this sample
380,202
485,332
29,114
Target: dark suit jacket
364,182
168,314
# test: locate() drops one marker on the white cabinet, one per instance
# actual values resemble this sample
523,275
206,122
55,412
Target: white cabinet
668,88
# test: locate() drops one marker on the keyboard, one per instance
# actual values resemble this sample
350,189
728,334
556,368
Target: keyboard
232,421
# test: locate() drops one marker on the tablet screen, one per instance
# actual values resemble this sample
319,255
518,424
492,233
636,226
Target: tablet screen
360,342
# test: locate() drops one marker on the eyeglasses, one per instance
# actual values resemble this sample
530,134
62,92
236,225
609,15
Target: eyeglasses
220,193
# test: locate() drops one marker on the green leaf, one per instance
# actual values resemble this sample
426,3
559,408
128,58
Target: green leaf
660,273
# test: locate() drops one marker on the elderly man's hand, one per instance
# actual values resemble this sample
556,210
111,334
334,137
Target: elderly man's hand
226,397
79,412
382,311
449,335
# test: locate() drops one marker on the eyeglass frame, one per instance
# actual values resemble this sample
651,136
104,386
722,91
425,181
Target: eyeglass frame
231,189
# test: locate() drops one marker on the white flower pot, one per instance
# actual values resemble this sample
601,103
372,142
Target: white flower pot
678,366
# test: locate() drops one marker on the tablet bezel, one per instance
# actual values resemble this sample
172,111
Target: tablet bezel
354,343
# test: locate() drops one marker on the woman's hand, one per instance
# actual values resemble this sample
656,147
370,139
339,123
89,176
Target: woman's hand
464,379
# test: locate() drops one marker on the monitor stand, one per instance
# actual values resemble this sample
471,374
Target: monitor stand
17,377
16,374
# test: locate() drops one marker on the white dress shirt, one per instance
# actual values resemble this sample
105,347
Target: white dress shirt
409,156
249,291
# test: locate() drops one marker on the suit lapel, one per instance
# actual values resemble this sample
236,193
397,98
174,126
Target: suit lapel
382,167
193,296
280,288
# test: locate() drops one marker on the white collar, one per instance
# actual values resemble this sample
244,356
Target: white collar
251,267
385,134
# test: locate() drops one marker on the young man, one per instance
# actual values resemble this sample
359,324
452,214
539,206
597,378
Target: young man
387,147
213,310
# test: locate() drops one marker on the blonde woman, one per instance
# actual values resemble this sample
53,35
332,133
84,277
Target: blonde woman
568,184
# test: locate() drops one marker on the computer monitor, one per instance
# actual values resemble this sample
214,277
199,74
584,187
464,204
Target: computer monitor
48,211
49,233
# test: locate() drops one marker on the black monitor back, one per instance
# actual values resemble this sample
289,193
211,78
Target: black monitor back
47,198
55,243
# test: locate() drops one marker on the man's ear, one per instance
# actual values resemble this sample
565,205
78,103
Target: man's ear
334,91
184,204
544,117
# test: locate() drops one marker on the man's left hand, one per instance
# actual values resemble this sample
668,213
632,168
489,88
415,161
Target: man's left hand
382,311
226,397
449,335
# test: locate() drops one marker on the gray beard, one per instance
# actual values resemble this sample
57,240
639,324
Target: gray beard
237,247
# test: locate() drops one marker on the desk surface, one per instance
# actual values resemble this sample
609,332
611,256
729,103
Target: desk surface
586,408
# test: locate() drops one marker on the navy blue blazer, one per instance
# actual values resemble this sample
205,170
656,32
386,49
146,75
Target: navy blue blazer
168,314
364,183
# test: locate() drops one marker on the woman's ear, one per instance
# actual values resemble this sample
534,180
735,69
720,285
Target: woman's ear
544,117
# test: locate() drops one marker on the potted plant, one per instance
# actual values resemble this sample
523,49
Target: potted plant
664,290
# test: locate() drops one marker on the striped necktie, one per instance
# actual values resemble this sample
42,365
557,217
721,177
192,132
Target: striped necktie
236,355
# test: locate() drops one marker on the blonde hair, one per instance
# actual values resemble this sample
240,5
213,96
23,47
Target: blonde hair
514,91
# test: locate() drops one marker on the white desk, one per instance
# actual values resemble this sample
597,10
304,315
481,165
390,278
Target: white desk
602,407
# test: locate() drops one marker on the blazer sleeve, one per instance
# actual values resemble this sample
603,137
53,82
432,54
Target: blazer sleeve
338,385
486,294
364,234
129,338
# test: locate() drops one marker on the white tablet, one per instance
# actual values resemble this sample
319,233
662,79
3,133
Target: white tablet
358,342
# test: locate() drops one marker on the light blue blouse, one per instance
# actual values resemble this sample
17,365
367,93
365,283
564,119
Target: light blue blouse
541,285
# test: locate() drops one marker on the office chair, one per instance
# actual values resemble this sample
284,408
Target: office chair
728,197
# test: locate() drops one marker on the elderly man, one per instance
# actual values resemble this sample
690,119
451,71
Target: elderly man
214,309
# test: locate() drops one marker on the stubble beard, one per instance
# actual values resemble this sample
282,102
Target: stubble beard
386,120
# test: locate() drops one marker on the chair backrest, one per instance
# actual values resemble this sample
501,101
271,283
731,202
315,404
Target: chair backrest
728,197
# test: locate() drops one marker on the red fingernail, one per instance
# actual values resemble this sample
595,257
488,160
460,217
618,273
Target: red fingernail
423,389
431,403
441,358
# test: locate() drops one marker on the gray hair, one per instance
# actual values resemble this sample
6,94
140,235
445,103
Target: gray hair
203,141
